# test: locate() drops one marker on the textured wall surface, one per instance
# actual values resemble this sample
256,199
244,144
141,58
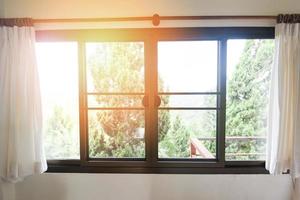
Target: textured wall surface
153,187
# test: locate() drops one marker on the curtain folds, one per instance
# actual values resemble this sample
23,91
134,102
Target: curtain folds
21,149
283,149
289,18
11,22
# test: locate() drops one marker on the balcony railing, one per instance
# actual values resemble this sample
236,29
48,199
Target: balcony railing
198,149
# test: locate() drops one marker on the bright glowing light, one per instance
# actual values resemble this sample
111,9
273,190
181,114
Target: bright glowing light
58,72
189,66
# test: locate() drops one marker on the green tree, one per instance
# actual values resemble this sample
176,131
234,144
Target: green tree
246,96
164,122
119,67
208,124
60,140
176,141
116,67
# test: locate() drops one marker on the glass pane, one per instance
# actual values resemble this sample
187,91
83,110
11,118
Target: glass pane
115,101
188,100
248,83
187,134
115,66
58,70
116,134
187,66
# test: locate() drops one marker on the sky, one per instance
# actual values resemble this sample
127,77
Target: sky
191,66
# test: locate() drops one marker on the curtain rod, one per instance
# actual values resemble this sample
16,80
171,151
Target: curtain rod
155,18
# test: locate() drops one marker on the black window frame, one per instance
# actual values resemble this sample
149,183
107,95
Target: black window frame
150,37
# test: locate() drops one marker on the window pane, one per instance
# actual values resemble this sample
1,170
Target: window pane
188,66
187,134
116,134
115,66
58,70
248,83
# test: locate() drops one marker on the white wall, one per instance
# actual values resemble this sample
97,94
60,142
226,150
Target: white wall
153,187
114,8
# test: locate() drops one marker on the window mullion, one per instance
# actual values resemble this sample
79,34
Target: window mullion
82,104
222,63
151,92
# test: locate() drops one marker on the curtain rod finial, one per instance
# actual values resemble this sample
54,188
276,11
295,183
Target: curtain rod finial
155,20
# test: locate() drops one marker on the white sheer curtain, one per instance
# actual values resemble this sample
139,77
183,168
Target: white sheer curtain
21,150
283,151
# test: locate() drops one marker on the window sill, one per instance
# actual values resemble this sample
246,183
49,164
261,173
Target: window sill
228,169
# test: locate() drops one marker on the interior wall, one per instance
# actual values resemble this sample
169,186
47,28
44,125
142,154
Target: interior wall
2,8
7,191
142,186
121,8
154,187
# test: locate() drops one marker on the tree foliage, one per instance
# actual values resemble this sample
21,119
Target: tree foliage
60,140
247,97
119,67
176,141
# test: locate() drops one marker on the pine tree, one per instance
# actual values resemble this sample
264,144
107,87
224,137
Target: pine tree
114,132
60,141
247,93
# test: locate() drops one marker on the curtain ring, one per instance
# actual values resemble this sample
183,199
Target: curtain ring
155,20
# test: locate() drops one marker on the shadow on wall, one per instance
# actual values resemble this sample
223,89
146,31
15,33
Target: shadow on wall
85,186
296,188
7,191
41,187
1,190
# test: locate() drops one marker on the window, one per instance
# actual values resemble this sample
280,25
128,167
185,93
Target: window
187,87
185,100
58,71
248,81
115,88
